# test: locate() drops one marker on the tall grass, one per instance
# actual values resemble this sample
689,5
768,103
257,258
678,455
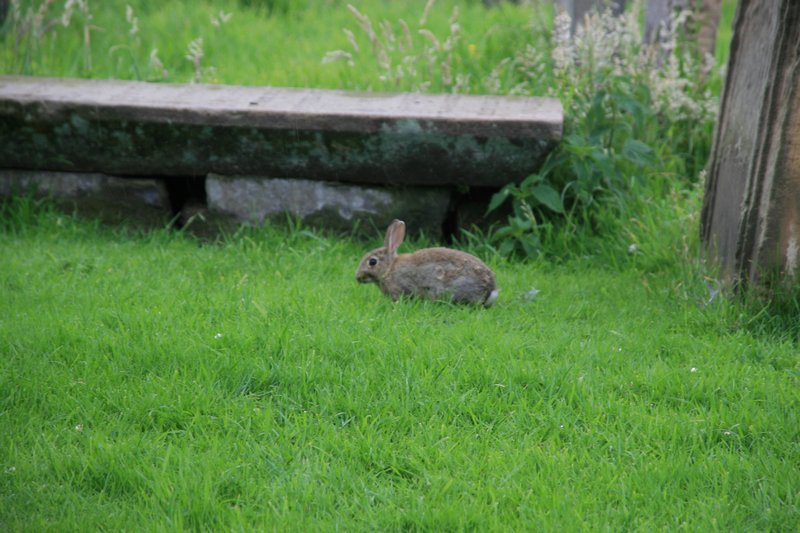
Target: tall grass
243,42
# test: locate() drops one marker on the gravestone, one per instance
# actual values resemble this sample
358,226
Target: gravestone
751,209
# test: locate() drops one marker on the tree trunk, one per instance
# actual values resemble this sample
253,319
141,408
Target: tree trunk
751,211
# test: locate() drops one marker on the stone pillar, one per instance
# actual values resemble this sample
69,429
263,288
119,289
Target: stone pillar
751,210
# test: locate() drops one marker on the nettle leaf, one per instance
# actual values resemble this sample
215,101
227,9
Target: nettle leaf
549,164
529,183
503,232
578,145
506,247
531,245
549,197
637,152
520,225
498,198
629,104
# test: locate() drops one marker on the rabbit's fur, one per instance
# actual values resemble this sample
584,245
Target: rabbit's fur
435,273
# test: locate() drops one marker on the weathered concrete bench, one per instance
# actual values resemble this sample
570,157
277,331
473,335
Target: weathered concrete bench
265,150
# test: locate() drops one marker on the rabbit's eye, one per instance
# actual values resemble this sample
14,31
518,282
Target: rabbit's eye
373,261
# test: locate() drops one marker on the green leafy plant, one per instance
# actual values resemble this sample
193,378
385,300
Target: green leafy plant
637,117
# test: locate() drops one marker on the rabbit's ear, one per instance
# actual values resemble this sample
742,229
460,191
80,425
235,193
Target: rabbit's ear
395,235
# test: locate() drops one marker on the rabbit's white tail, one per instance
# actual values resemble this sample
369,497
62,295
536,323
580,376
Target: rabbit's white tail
492,298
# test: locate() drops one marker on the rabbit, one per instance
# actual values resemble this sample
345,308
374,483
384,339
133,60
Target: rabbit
435,273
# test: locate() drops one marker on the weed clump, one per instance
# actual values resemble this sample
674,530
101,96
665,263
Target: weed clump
639,120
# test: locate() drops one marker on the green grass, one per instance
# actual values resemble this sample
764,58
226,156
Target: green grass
150,382
284,48
725,30
258,48
254,48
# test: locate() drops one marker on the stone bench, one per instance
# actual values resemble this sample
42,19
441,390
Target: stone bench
262,151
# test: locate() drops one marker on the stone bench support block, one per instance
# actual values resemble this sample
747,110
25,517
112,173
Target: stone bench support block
146,129
140,202
338,207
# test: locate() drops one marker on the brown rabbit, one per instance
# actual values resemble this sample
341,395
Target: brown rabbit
435,273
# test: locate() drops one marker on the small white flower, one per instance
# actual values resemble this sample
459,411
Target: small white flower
338,55
79,427
132,20
693,370
66,17
195,50
531,295
222,18
218,336
157,65
727,433
633,248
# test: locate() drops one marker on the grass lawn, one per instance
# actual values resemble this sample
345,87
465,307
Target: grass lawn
150,382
